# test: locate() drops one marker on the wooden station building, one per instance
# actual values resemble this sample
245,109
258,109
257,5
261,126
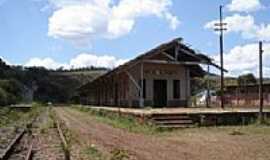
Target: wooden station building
159,78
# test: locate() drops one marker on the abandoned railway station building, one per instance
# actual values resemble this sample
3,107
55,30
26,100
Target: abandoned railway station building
159,78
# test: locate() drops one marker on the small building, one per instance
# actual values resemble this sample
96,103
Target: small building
158,78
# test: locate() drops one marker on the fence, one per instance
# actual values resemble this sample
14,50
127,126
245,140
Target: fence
245,100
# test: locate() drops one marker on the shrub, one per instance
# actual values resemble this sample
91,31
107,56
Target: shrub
3,97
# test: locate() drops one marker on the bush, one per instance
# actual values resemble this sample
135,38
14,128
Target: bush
3,97
10,92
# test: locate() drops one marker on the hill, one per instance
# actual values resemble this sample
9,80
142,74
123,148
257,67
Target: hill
25,84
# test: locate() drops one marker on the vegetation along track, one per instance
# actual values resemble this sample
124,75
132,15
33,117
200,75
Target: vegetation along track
19,147
41,139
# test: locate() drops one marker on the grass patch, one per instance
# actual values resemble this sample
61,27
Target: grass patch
256,130
93,153
118,154
8,116
265,122
131,124
119,121
48,124
13,117
236,133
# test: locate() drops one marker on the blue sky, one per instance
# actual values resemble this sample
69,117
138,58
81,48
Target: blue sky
77,33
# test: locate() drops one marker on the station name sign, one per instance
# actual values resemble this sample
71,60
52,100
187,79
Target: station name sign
160,72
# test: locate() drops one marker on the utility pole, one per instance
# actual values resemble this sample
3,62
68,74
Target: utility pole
261,81
221,27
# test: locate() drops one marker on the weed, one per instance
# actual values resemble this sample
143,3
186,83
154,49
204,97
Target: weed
120,121
118,154
265,122
236,133
93,153
10,117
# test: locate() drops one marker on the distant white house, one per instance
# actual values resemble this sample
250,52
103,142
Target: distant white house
201,98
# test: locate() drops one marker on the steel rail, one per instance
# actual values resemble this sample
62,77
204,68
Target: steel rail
30,152
63,140
10,147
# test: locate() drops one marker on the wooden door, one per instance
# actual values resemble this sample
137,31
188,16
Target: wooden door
160,93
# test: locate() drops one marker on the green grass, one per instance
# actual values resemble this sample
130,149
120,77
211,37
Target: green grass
48,124
131,124
118,154
259,130
7,116
13,117
119,121
93,153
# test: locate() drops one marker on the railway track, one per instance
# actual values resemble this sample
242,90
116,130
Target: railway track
19,147
63,141
23,144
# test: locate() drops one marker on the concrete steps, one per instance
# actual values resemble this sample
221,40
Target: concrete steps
171,120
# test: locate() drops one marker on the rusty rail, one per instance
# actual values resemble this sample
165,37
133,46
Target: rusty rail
10,147
30,152
8,151
63,140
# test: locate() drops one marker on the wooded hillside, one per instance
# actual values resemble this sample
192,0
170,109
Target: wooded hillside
25,84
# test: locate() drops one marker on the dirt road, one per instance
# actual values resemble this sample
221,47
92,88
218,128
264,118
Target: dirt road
193,144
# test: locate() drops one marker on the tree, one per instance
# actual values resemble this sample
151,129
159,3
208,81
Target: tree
246,79
3,97
11,91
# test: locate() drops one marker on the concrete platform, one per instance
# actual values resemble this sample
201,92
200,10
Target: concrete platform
151,111
186,117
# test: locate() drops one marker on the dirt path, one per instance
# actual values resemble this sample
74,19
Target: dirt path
175,146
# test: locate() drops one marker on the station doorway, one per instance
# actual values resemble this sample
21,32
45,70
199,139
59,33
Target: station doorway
160,93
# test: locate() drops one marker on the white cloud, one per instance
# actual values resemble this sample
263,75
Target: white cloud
80,61
245,59
235,23
244,5
46,62
245,25
85,59
58,4
83,20
264,32
78,23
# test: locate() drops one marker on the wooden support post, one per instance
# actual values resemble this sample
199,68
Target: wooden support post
176,52
142,87
261,82
208,88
